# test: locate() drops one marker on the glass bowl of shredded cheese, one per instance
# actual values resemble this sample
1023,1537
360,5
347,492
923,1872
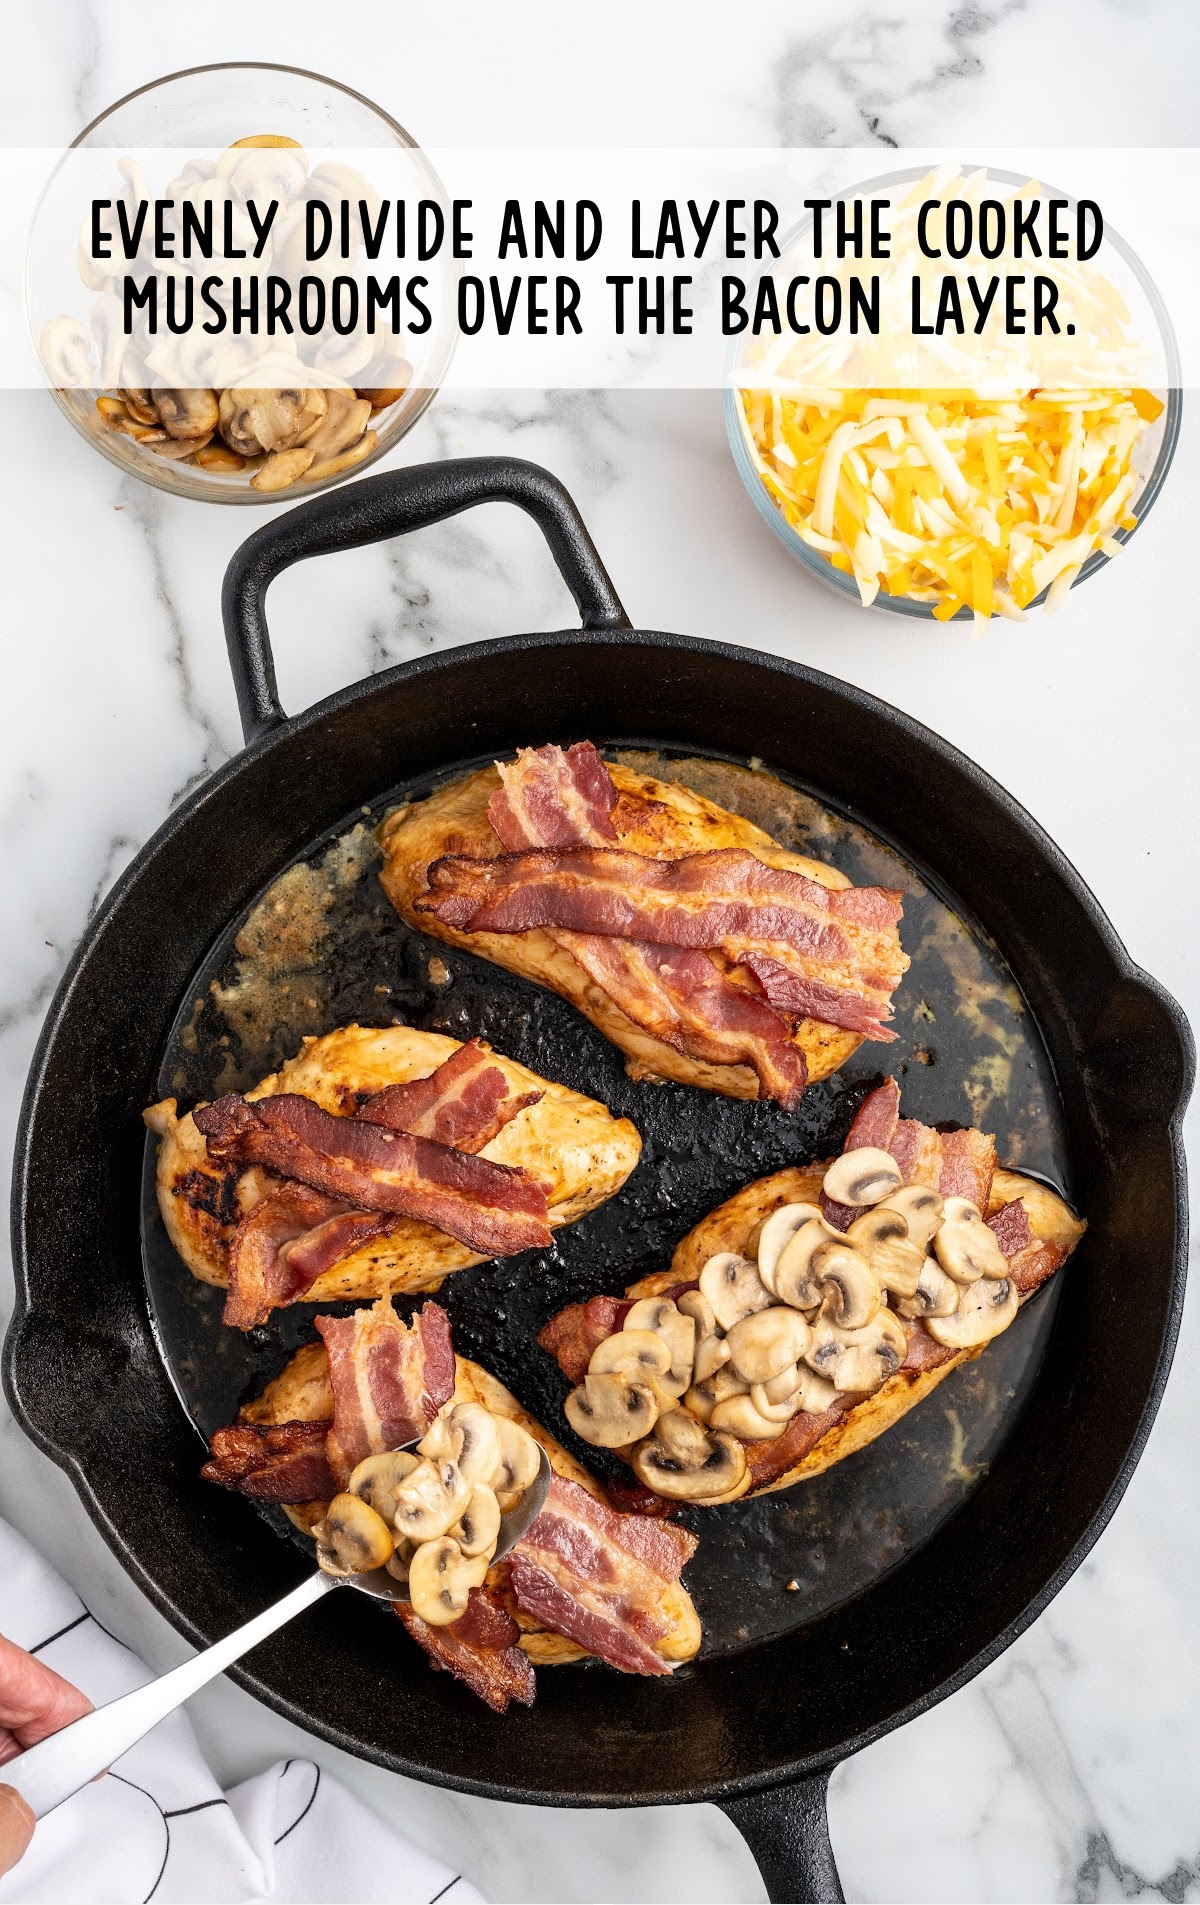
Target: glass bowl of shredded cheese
1011,474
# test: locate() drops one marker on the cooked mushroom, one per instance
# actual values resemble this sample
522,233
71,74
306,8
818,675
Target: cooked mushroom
264,167
389,379
738,1416
327,466
779,1388
815,1394
695,1304
921,1209
187,413
686,1462
863,1176
610,1412
858,1360
478,1528
711,1354
377,1479
66,350
881,1236
782,1408
519,1460
984,1309
711,1350
850,1292
703,1397
440,1579
776,1233
664,1319
353,1539
795,1282
639,1356
282,468
430,1500
468,1437
936,1294
344,418
762,1345
733,1287
966,1248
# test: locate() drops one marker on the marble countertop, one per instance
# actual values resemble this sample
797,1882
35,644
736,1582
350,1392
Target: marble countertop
1067,1770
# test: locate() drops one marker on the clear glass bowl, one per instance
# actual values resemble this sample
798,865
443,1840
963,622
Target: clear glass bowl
215,106
1152,456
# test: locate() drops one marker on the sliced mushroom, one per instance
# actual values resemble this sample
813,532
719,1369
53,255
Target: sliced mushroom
478,1528
780,1409
219,457
738,1416
711,1349
815,1394
695,1304
984,1309
795,1282
921,1209
66,352
281,469
862,1176
610,1412
430,1500
664,1319
767,1342
389,381
187,413
377,1479
776,1233
353,1539
325,467
881,1236
140,404
779,1388
858,1360
639,1356
850,1292
519,1460
468,1437
440,1579
343,421
966,1248
733,1287
936,1294
703,1397
685,1462
711,1354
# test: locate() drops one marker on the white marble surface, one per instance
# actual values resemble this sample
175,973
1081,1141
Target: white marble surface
1069,1769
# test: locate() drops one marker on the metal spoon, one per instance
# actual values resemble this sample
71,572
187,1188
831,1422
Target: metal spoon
63,1764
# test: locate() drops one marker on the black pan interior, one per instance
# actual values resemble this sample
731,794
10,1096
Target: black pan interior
321,947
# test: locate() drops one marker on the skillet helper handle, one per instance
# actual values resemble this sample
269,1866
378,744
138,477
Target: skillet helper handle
63,1763
391,505
787,1830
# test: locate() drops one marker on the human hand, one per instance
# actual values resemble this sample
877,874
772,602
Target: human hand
34,1701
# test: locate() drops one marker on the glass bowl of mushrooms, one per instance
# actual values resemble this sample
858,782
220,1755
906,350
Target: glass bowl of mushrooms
230,418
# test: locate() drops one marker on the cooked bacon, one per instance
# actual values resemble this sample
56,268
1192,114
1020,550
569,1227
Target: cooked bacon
465,1103
491,1207
683,998
597,1577
486,1623
389,1380
261,1276
552,799
800,996
573,1335
630,1498
1030,1268
273,1461
767,1461
956,1163
1011,1225
923,1352
498,1674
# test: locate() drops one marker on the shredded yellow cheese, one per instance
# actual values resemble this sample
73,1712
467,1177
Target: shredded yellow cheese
948,497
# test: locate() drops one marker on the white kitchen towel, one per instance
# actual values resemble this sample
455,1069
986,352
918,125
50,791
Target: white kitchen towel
159,1827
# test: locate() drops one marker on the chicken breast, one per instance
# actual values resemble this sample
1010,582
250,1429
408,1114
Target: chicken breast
455,821
572,1142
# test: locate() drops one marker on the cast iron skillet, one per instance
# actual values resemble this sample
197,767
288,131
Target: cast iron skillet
757,1732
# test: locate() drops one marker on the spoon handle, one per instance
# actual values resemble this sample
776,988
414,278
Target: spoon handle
60,1765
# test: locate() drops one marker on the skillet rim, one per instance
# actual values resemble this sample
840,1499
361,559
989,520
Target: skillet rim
916,737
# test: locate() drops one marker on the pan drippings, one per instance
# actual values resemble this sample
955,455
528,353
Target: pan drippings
322,947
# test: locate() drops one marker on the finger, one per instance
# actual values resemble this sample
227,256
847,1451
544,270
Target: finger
9,1747
34,1700
16,1828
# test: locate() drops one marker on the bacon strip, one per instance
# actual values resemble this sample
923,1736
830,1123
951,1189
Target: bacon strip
597,1576
296,1233
551,800
273,1461
389,1380
801,996
480,1650
575,1333
956,1163
491,1207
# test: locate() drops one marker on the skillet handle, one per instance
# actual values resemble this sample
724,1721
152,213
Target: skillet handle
787,1829
391,505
